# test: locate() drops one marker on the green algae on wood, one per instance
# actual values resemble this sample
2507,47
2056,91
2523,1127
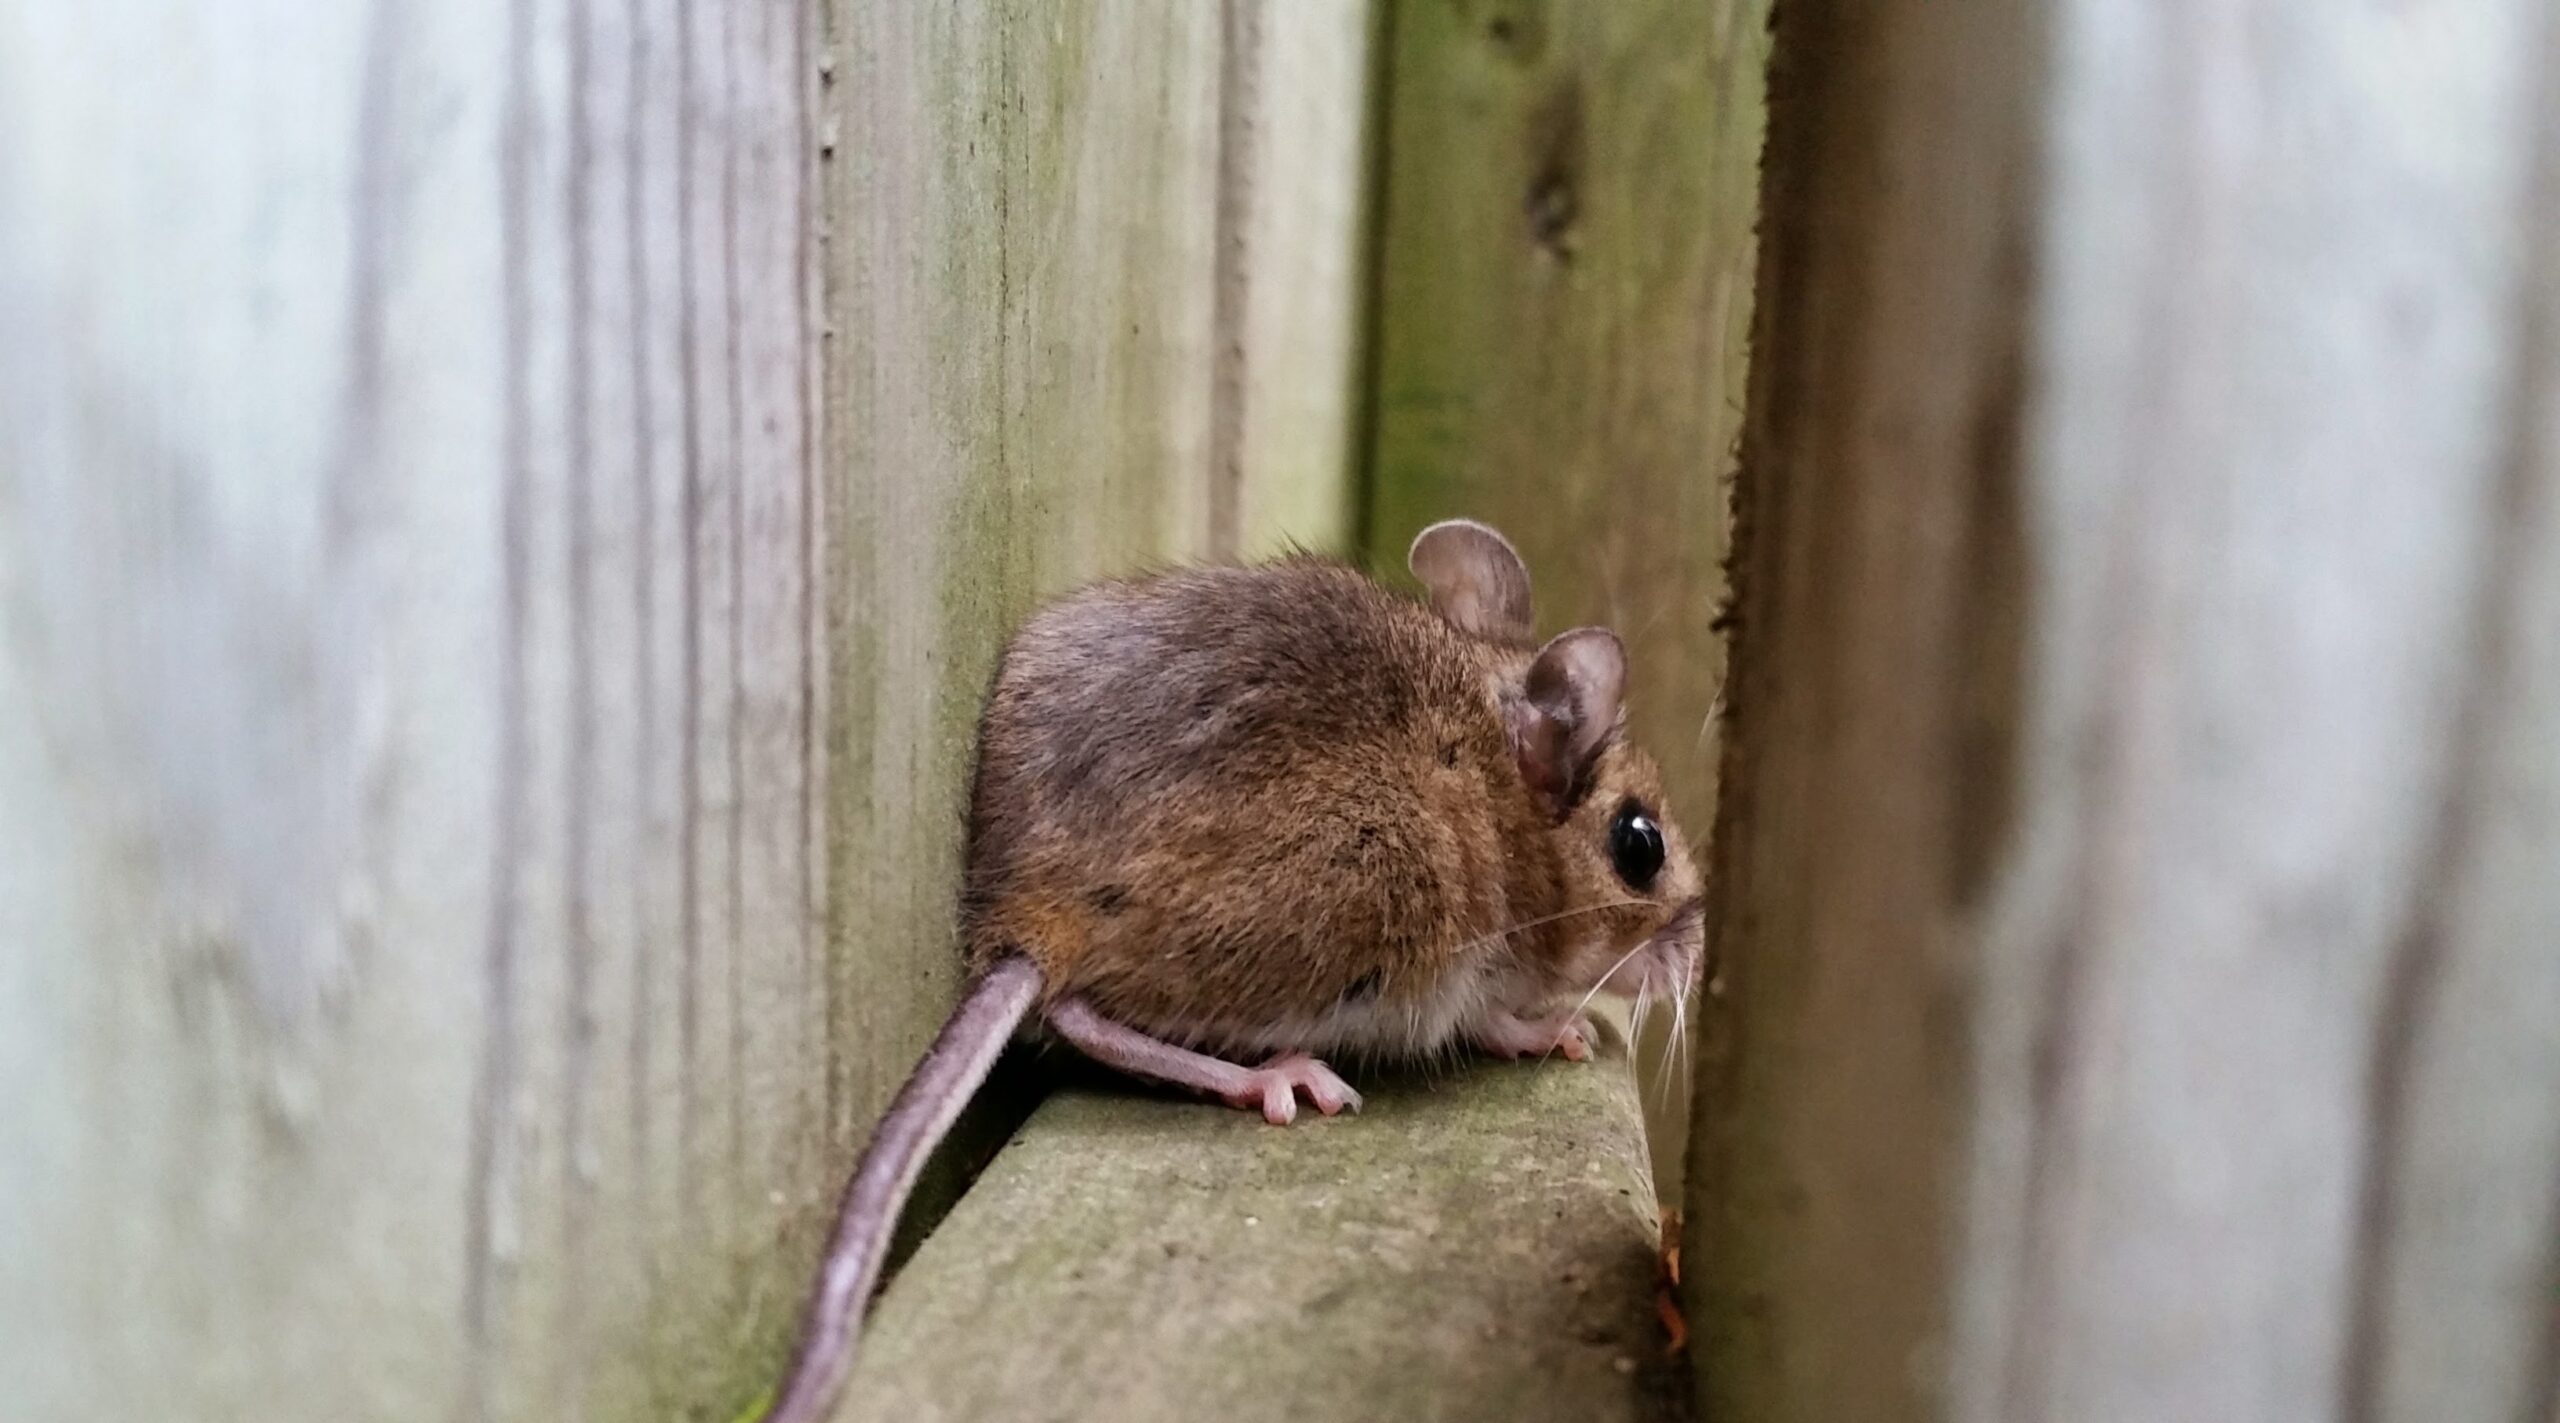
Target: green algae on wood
1563,303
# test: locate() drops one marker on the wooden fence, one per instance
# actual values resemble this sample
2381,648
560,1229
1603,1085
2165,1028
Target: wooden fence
2140,871
506,512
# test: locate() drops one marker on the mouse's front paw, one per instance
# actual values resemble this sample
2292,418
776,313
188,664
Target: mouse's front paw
1274,1087
1510,1035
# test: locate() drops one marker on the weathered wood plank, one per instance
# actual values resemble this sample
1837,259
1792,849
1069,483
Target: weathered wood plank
1061,261
1293,269
1563,305
408,710
2143,720
1022,258
482,723
1033,367
1478,1249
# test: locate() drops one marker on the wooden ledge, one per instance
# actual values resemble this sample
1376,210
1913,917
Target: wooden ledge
1478,1247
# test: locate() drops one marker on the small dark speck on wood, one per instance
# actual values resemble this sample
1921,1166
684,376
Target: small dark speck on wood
1555,201
1520,38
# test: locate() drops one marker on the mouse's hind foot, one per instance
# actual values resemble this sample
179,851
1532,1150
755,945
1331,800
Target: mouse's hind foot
1275,1085
1272,1088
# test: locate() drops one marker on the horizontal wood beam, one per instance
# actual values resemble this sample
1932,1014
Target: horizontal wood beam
1477,1248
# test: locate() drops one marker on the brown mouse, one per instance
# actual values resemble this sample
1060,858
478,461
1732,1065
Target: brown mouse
1230,822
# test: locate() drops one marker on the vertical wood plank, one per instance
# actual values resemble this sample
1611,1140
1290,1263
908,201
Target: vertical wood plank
1875,667
1080,328
2142,715
406,706
1564,298
1293,269
1022,253
506,514
2315,775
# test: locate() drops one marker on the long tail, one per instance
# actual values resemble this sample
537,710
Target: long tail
961,1056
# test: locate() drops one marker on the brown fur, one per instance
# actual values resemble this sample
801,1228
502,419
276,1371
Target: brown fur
1282,810
1212,800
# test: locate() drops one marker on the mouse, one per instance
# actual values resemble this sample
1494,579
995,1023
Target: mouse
1232,825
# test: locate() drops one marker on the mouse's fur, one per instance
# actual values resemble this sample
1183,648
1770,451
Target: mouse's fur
1254,810
1274,812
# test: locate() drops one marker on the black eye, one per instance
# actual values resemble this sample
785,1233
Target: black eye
1635,845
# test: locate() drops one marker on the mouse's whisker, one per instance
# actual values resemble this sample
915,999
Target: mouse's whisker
1637,1022
1543,921
1673,1049
1715,709
1688,1048
1688,1044
1679,1028
1644,1019
1604,980
1679,1054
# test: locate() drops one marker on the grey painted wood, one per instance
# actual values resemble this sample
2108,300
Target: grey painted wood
410,705
411,696
505,513
2135,868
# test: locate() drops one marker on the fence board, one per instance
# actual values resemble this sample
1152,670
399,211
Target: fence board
1022,258
482,717
408,705
1563,304
1293,267
2143,719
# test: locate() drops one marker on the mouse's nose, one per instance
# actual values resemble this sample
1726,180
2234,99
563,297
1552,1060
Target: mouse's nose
1688,921
1684,939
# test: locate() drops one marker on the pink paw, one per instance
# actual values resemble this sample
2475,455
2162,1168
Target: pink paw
1274,1087
1508,1036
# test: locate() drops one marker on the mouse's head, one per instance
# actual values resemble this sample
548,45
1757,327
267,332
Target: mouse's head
1631,919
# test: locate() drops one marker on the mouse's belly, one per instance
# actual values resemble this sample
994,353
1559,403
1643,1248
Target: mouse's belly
1361,927
1248,1000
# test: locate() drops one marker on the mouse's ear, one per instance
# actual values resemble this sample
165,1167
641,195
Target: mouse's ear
1574,699
1476,578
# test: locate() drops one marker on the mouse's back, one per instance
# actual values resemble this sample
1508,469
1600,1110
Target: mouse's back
1231,806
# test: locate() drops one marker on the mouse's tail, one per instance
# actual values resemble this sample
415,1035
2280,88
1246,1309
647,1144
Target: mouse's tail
961,1056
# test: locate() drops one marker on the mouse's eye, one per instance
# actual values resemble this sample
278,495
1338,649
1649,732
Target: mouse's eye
1635,845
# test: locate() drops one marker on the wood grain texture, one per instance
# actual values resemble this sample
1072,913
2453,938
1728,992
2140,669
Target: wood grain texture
1293,268
2143,716
1563,301
506,514
409,704
1021,255
1474,1248
1038,350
